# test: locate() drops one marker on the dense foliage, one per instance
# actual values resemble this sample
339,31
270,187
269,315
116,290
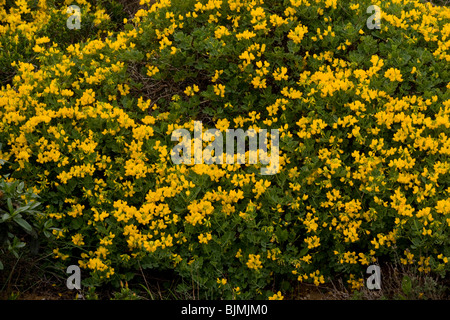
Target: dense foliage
86,118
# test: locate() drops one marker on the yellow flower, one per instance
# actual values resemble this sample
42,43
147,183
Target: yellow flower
42,40
100,16
77,210
204,238
298,33
198,210
312,242
291,93
247,56
277,296
444,259
260,187
223,124
216,76
280,74
123,89
259,83
245,35
393,75
96,264
152,70
277,21
222,282
221,31
356,284
78,239
59,255
254,262
190,91
219,89
88,97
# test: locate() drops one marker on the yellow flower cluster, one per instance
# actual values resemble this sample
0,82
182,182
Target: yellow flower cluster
364,141
254,262
277,296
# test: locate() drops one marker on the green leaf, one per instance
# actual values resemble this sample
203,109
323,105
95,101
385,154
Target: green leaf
76,223
5,217
33,205
304,251
20,245
21,209
10,205
21,222
281,234
406,285
20,187
288,217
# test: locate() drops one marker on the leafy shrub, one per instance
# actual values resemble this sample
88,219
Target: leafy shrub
18,215
23,22
364,129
